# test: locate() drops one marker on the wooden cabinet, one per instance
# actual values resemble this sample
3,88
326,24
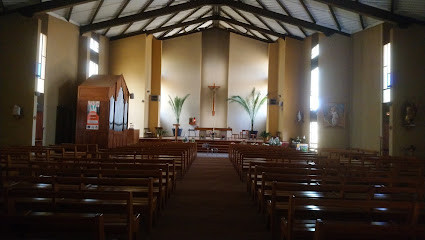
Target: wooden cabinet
102,111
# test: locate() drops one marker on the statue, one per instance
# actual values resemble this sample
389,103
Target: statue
409,114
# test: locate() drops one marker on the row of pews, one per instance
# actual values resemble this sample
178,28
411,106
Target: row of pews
78,188
336,194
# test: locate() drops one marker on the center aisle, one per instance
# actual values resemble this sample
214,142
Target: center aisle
210,203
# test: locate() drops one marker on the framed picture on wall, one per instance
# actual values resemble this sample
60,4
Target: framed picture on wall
334,115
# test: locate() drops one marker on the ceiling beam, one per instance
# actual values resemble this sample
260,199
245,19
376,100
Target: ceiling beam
161,29
184,18
242,15
183,24
143,28
265,7
118,14
235,31
42,7
144,15
370,11
265,24
334,17
279,23
361,20
216,12
167,20
392,6
242,25
68,15
258,29
140,11
308,11
195,30
199,3
181,34
96,11
289,14
281,17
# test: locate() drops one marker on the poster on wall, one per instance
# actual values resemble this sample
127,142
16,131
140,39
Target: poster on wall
93,115
334,115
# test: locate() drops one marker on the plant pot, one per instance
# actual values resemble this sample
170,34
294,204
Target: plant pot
179,133
253,132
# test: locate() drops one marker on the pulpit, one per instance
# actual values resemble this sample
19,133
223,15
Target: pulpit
102,112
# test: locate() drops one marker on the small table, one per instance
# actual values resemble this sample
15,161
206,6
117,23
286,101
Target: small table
176,132
192,130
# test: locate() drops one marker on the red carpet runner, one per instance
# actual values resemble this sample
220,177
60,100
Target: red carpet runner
210,203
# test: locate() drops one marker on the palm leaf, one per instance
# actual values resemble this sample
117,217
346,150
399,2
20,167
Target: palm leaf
177,105
251,104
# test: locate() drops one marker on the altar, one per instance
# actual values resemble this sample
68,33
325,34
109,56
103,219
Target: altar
221,133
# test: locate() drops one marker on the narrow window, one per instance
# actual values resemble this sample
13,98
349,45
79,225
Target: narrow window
93,68
41,64
387,81
94,45
94,57
314,94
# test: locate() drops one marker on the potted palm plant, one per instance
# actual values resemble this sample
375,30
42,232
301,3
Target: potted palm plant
265,135
251,104
177,105
161,132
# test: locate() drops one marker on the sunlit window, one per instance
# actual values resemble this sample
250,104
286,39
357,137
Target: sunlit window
94,45
41,64
314,97
93,68
314,134
314,89
387,81
315,51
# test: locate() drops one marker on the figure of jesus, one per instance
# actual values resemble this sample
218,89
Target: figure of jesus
335,116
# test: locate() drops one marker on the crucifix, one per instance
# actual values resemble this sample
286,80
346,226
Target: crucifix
213,89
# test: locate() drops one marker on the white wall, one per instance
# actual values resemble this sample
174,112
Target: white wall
181,75
127,57
248,68
335,76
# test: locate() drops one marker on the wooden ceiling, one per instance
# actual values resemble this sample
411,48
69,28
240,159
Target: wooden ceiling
264,20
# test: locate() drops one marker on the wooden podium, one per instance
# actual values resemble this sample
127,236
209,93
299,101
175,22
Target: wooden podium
102,112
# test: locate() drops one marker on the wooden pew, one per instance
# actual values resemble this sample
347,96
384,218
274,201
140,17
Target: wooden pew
350,230
34,223
116,207
303,212
142,189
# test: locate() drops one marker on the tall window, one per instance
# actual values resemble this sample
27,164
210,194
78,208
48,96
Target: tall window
94,57
386,94
314,93
41,64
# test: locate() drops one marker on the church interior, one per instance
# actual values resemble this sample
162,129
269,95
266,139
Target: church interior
212,119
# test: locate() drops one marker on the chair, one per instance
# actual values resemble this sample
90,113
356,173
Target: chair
245,134
192,130
156,130
148,133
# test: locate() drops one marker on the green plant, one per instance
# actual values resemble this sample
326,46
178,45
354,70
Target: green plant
161,132
177,104
265,134
251,104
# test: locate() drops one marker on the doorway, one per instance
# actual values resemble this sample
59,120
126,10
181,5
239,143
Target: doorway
39,126
386,128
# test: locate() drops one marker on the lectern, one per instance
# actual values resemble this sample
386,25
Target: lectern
102,112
